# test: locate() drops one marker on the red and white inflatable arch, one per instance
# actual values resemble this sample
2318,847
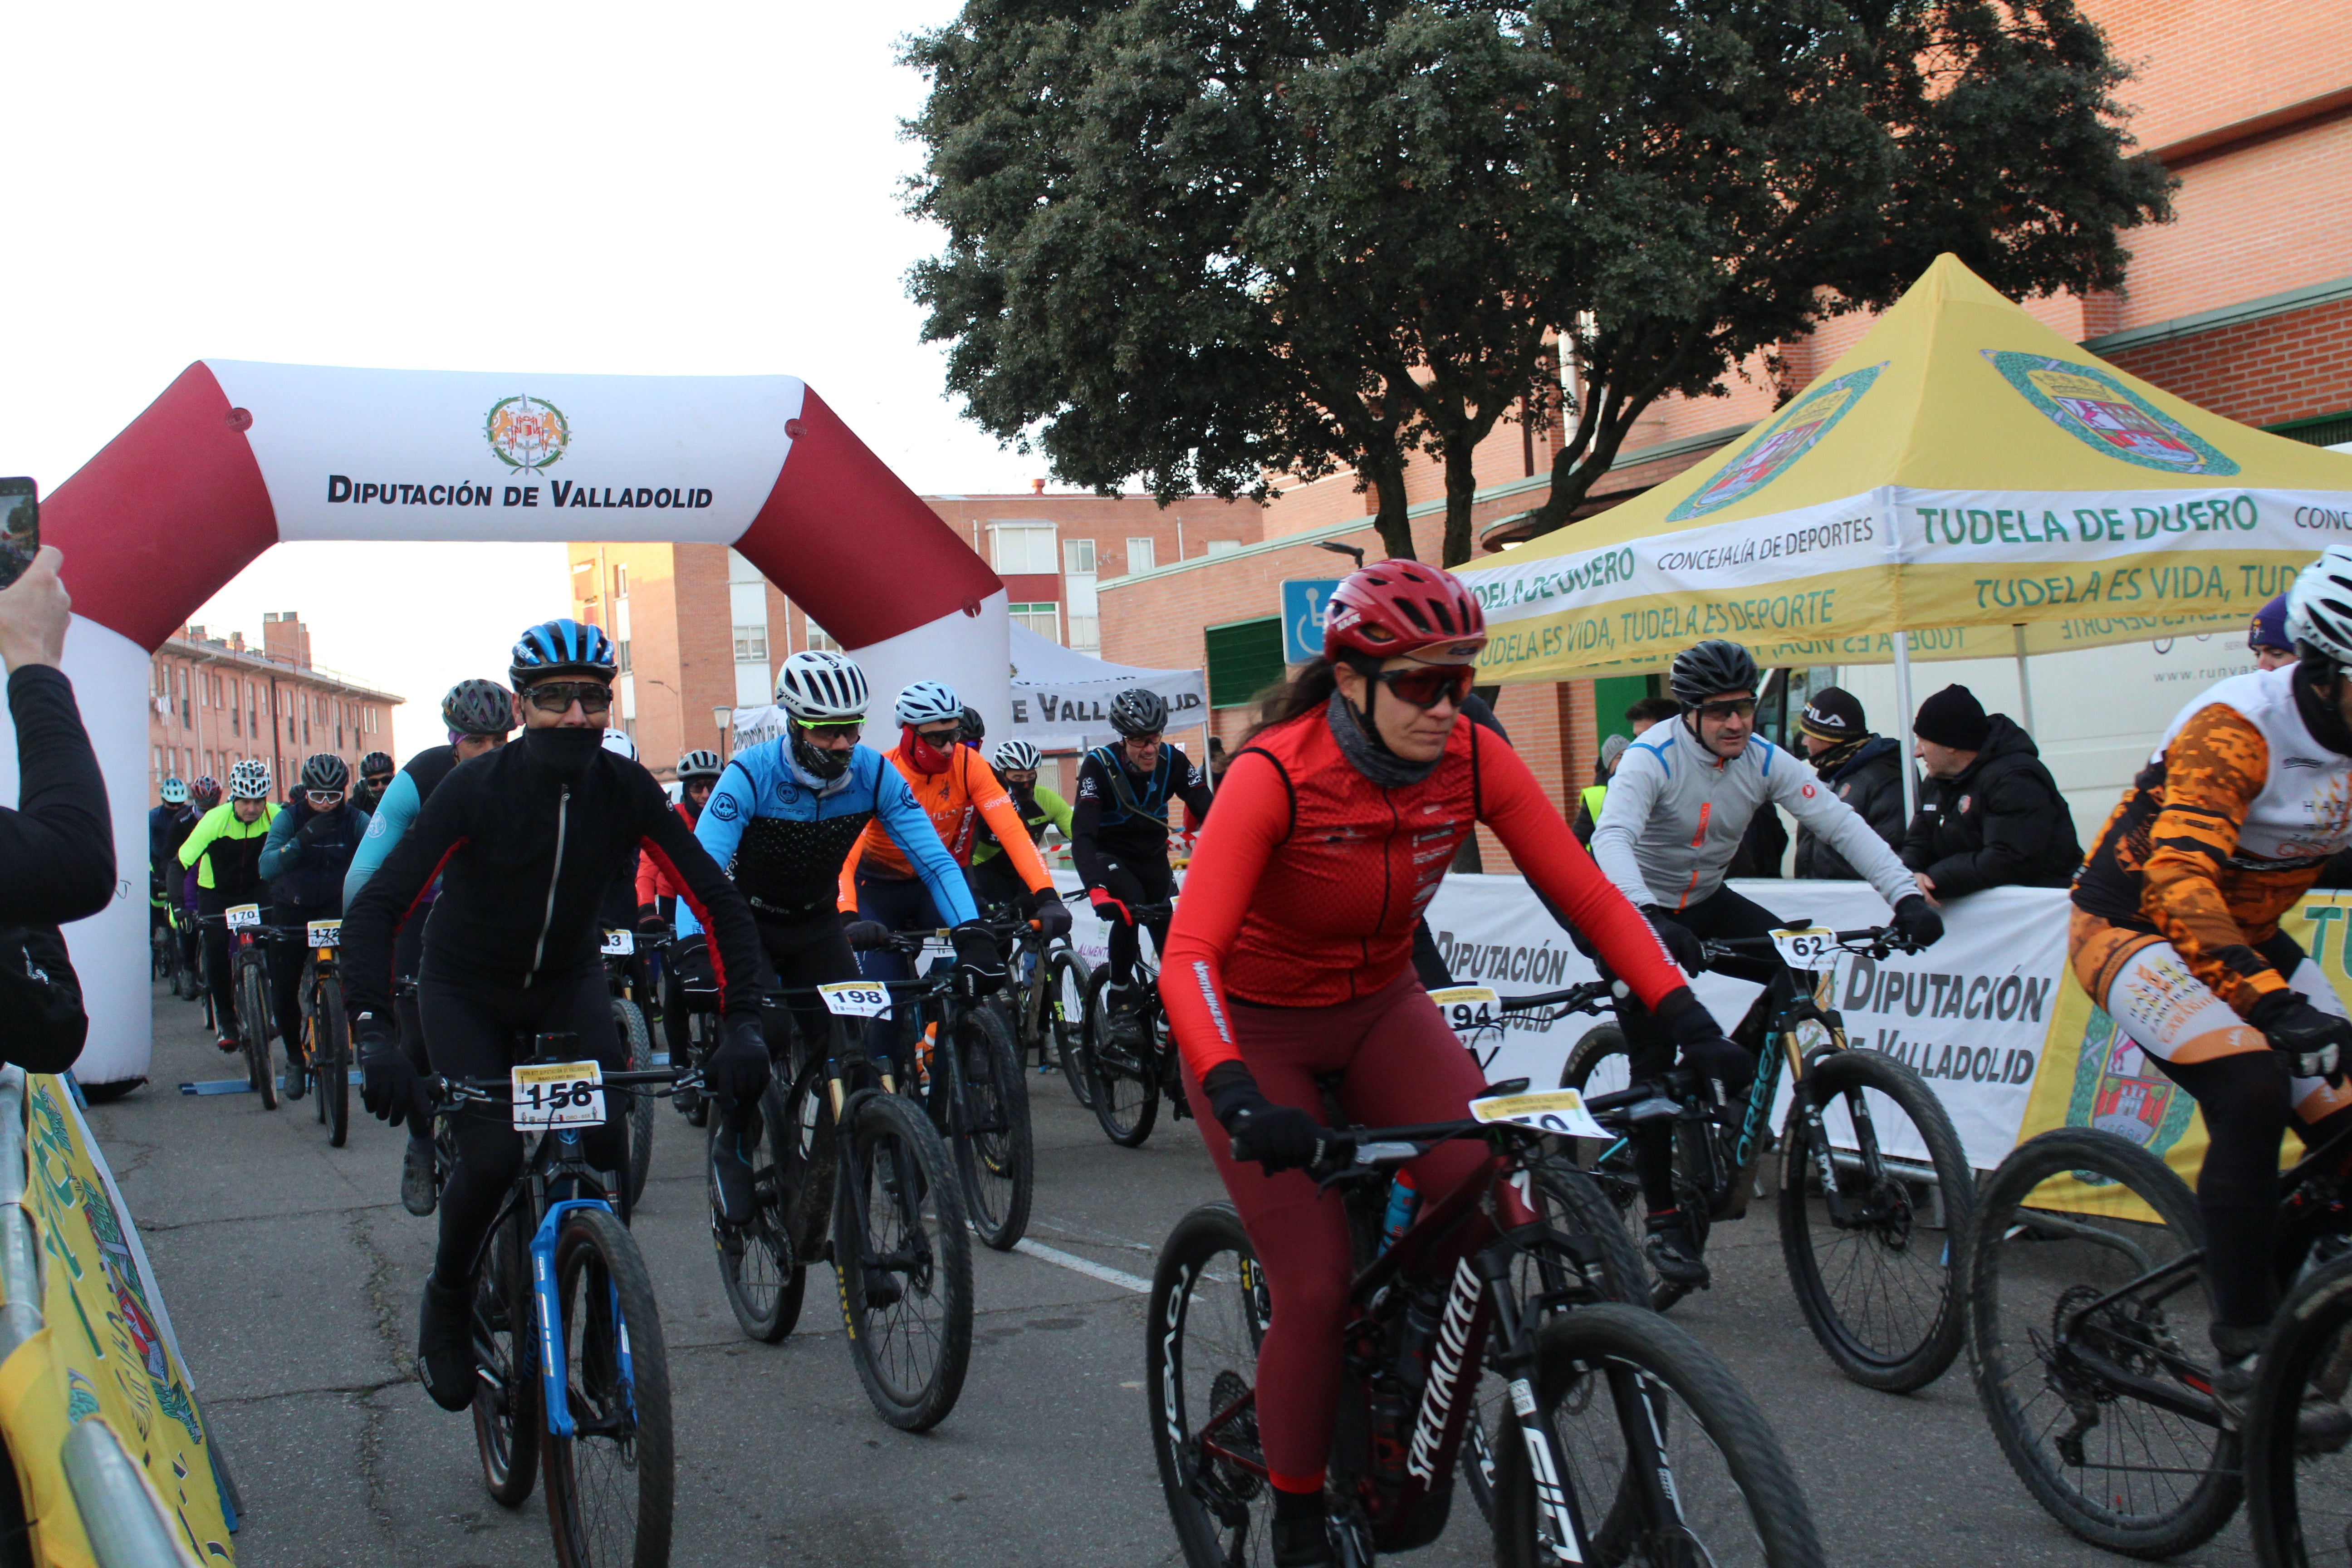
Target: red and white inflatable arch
234,457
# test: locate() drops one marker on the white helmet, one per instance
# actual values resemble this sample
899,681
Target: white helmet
929,703
248,780
1015,757
617,742
2319,605
819,687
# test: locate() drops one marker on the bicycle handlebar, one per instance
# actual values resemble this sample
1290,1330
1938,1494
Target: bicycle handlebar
448,1092
1876,941
1589,997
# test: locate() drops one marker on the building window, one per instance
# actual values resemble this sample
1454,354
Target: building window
621,657
1021,549
1221,546
621,581
1086,633
819,640
751,643
1244,659
1079,555
1044,619
1143,554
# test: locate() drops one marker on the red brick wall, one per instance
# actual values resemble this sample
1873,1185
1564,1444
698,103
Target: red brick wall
2294,366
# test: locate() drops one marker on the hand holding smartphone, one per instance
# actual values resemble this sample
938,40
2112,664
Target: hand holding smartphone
20,527
35,612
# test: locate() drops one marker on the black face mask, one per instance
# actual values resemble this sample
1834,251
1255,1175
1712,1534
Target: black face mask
824,765
564,752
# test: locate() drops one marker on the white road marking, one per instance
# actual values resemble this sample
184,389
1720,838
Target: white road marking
1085,1265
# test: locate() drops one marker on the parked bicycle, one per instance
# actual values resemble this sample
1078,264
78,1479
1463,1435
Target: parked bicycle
850,1171
2087,1321
573,1371
1128,1085
1874,1189
249,959
621,971
1616,1437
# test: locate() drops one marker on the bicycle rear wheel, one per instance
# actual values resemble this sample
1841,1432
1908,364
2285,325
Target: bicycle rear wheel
2117,1469
762,1272
994,1152
611,1485
1662,1454
1069,983
1125,1079
330,1058
1207,1317
253,1023
506,1398
1877,1283
905,1263
637,1053
2299,1486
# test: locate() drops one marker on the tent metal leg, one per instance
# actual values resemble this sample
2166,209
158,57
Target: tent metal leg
1903,713
2024,685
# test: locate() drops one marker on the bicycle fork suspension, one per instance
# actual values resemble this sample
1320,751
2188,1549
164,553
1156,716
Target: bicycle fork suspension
554,1374
1554,1505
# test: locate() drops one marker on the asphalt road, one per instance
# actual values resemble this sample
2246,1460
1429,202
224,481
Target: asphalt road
293,1276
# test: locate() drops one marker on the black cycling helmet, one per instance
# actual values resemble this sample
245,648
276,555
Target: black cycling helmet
477,708
326,770
376,767
1138,710
1710,669
975,729
703,765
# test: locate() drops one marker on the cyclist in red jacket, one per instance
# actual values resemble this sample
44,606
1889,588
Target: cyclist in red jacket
1290,958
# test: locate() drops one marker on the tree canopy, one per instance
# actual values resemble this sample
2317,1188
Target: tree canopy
1205,242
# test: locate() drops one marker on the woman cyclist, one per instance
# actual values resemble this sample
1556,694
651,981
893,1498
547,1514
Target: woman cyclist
1290,958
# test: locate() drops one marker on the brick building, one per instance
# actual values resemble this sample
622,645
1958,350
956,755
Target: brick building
698,629
214,701
2242,305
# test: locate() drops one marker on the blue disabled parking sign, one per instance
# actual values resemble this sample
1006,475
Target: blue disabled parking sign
1302,604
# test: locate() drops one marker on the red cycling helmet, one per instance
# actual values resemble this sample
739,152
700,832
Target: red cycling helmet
1401,606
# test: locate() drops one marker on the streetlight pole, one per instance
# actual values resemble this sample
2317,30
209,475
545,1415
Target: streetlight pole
722,714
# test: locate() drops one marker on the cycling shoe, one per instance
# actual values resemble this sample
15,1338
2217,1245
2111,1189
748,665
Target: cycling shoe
297,1079
1675,1254
730,1179
419,1192
1301,1543
445,1345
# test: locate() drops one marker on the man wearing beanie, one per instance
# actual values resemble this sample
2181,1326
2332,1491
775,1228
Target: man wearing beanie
1864,770
2266,639
1990,815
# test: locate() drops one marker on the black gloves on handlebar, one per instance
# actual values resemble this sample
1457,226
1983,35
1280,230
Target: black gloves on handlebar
1053,916
1682,943
736,1072
2313,1043
1702,1045
650,921
864,935
389,1086
980,964
1278,1137
1917,921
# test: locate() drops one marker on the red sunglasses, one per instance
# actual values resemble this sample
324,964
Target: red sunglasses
1426,684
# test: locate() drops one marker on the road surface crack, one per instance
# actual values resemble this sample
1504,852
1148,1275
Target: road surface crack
378,1288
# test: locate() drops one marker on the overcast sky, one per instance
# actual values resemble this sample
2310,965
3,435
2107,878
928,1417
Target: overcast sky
652,190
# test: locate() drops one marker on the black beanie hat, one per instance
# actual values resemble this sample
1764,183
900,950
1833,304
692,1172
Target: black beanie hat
1832,715
1954,718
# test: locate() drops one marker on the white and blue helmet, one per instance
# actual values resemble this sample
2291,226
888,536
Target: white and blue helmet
929,703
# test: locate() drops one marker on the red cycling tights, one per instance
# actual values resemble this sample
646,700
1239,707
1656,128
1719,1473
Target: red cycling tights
1402,1066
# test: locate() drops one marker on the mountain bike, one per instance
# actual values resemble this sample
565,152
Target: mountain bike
977,1095
1046,1002
698,995
1617,1437
621,973
573,1371
848,1170
1128,1084
329,1032
1874,1189
250,960
2087,1325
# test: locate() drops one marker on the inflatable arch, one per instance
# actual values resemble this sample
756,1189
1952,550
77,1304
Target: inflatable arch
236,456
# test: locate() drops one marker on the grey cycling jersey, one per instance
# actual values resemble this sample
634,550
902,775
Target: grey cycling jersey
1675,813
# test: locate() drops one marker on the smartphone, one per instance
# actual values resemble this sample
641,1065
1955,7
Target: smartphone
20,527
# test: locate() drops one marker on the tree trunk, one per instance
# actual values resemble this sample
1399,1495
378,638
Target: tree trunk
1387,479
1461,490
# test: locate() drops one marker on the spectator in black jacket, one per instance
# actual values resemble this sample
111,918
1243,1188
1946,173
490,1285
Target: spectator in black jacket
57,849
1864,770
1991,816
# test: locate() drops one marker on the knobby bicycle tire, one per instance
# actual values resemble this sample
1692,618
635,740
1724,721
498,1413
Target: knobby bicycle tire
1126,1083
913,1369
1613,1341
762,1273
506,1409
1905,1355
995,1154
253,1019
2299,1494
1070,993
2013,1368
331,1056
1201,1333
622,1424
638,1054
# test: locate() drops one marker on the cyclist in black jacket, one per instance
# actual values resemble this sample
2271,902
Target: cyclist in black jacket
527,840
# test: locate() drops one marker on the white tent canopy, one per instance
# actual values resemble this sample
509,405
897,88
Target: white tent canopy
1060,698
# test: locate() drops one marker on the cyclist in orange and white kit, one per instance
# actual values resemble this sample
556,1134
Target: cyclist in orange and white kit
2176,932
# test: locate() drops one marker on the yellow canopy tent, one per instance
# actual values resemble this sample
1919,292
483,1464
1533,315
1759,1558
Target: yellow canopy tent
1965,482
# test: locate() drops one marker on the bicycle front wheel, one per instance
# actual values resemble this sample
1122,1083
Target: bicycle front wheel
253,1022
1874,1269
2077,1263
1659,1452
331,1056
507,1397
1124,1077
1208,1316
759,1266
2298,1465
1068,984
905,1263
611,1485
637,1051
994,1152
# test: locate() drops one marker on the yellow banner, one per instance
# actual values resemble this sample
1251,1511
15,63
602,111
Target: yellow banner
103,1353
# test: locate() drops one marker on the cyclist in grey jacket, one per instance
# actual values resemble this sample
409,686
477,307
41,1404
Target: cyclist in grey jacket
1677,808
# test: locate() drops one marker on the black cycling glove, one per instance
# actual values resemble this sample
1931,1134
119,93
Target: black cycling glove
313,830
2313,1043
1705,1050
864,935
1917,921
389,1086
1682,943
1052,915
738,1070
980,962
1278,1137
